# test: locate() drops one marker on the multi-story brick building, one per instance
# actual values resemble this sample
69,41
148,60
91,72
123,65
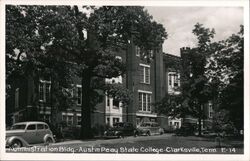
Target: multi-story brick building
149,81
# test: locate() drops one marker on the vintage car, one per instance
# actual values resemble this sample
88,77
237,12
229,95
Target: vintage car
150,128
27,133
120,130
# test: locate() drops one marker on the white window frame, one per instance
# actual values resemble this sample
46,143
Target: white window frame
44,82
145,66
77,87
173,81
147,94
66,115
137,51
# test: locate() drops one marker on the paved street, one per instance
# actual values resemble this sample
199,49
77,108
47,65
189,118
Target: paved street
166,143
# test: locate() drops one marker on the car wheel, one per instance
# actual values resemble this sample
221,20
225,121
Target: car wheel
148,133
136,134
48,141
16,144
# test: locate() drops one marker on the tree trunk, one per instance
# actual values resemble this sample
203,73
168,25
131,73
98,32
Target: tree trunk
86,131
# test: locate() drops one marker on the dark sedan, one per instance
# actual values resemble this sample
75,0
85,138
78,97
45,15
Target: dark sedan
120,130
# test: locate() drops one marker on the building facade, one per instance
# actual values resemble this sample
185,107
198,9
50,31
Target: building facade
149,82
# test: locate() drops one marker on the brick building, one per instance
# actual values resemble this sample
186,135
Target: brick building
149,82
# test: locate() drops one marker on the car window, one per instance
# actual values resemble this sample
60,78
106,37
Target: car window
40,126
155,125
18,127
31,127
46,126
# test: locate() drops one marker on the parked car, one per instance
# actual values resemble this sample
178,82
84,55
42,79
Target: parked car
150,128
186,130
27,133
120,130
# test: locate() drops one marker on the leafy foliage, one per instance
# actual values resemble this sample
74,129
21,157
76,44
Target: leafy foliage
53,42
225,71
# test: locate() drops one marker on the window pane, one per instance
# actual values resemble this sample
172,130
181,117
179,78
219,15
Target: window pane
70,120
31,127
170,79
144,102
115,103
108,101
46,127
141,70
140,101
78,120
40,126
147,75
64,118
149,102
137,51
41,91
79,95
47,92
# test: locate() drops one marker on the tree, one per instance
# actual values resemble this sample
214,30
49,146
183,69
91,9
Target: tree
112,28
27,54
225,72
194,84
109,29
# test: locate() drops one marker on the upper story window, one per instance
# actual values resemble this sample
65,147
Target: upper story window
145,101
137,51
114,103
79,94
44,91
173,79
144,73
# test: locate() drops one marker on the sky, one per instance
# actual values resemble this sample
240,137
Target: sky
179,23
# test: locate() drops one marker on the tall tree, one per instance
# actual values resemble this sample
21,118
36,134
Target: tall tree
194,83
226,74
60,33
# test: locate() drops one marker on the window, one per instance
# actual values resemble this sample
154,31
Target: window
46,117
137,51
79,119
140,101
115,120
31,127
108,101
17,98
40,126
173,80
144,101
108,121
79,95
144,73
64,118
116,103
44,91
70,120
210,110
46,126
